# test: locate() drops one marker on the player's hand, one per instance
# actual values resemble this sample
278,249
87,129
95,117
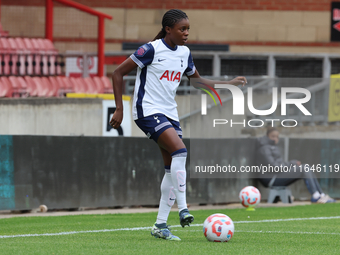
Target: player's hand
240,80
298,163
116,119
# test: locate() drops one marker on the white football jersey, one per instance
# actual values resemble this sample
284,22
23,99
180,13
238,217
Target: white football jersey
160,69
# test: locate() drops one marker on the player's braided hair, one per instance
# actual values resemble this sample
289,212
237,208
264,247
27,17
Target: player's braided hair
170,18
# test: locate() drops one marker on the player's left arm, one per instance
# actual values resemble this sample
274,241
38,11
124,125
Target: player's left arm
240,80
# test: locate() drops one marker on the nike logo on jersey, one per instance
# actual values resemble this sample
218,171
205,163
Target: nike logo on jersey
171,76
172,199
160,60
182,185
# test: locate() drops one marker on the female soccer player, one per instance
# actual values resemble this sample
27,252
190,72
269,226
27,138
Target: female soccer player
161,64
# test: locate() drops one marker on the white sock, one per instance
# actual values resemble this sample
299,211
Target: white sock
323,194
179,176
316,195
167,198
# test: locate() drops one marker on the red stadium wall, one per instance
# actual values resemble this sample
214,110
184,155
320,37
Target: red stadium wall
283,5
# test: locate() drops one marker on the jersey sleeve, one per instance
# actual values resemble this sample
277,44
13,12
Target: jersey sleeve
143,56
191,67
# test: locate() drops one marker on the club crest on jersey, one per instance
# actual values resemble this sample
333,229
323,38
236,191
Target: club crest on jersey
171,76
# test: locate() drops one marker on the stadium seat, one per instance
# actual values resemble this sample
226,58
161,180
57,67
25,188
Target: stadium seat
19,87
107,84
15,85
31,86
60,80
78,85
6,89
99,84
3,89
91,86
62,85
82,83
6,50
2,52
52,57
49,86
37,62
19,48
42,88
24,55
44,56
55,86
72,81
30,57
67,85
14,56
23,85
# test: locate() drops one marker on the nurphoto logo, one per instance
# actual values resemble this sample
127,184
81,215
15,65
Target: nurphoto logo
238,105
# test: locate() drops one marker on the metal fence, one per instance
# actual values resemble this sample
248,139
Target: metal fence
214,64
282,65
311,71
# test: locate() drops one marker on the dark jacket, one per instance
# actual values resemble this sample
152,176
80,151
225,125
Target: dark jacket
268,153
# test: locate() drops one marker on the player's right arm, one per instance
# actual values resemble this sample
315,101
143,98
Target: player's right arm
117,80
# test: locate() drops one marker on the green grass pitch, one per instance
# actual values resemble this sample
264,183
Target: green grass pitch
310,229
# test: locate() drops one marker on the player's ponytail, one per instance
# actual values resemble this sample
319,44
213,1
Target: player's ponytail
160,35
170,18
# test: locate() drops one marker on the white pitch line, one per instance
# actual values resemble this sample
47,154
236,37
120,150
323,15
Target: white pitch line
289,232
78,232
277,232
291,219
176,226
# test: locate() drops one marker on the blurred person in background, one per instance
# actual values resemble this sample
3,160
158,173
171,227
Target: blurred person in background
268,153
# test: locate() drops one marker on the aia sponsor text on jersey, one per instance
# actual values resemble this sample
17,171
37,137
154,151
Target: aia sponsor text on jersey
171,76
